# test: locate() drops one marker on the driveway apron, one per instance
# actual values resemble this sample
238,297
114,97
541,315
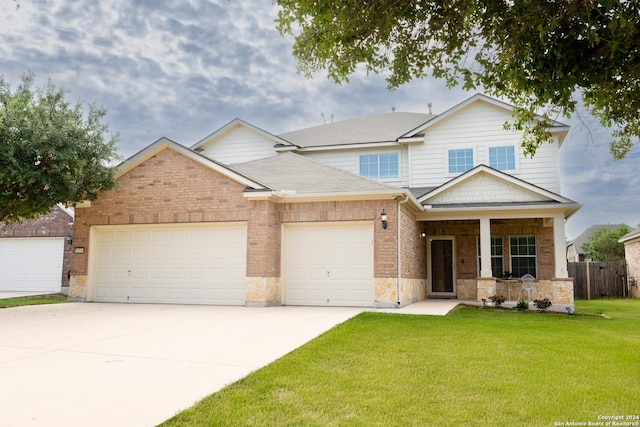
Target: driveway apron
80,364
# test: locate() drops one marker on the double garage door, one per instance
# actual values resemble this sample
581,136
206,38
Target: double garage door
31,264
181,264
323,264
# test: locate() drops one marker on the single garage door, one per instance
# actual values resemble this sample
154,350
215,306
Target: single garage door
328,264
31,264
180,264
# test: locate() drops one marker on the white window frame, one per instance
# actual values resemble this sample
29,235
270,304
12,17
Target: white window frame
515,157
493,256
381,153
535,237
473,159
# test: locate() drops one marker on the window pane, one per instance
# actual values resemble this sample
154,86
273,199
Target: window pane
523,255
460,160
369,166
502,158
388,166
379,166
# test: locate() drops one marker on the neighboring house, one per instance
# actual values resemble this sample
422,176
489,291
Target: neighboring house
35,254
376,211
632,255
574,247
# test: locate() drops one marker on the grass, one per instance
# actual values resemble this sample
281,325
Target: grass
472,367
33,300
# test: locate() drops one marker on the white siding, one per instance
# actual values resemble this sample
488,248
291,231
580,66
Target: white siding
479,126
240,145
486,188
349,160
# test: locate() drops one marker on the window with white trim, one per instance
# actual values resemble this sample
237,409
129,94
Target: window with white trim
524,259
380,166
497,261
459,161
502,158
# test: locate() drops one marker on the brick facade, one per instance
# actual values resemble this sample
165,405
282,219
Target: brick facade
466,234
632,255
56,223
171,188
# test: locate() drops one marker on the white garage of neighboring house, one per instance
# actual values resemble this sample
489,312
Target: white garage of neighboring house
35,254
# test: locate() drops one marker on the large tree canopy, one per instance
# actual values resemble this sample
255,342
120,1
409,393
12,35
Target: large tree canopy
49,151
536,54
603,244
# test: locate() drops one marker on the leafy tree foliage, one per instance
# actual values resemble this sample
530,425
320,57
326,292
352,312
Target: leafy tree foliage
603,244
49,151
536,54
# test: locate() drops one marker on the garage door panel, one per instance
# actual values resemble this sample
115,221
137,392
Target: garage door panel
328,264
172,264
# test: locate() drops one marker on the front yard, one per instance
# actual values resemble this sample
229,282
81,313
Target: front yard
472,367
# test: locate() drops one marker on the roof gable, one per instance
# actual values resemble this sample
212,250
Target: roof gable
483,184
230,127
165,143
556,127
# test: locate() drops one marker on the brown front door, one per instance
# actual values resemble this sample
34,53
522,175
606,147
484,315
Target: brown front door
442,267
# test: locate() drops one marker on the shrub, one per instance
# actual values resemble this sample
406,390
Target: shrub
542,304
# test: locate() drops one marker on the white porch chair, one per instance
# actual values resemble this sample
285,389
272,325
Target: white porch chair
527,285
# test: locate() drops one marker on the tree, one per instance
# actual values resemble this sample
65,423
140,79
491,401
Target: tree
603,244
49,151
539,55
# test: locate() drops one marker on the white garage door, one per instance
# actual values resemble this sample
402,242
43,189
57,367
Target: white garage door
181,264
328,264
31,264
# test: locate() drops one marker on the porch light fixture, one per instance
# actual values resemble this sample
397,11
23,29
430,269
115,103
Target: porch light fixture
423,234
69,240
383,218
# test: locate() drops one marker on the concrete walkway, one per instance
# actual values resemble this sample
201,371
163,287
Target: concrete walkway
137,365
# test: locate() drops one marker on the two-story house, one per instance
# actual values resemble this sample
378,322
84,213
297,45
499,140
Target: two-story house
376,211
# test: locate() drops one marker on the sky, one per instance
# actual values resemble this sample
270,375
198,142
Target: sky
183,69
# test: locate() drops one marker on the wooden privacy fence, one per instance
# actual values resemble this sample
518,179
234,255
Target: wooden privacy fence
593,280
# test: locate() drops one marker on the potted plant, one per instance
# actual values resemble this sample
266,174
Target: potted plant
497,299
542,304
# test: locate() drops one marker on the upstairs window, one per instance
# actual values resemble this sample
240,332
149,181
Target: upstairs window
502,158
380,166
460,161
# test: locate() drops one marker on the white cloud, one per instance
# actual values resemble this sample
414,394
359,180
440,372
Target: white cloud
184,69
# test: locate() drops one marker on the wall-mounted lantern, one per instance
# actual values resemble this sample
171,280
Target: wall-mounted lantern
383,219
69,240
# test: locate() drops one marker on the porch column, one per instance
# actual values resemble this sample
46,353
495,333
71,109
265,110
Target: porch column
559,245
485,247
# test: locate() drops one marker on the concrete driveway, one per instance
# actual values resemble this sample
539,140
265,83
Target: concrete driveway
82,364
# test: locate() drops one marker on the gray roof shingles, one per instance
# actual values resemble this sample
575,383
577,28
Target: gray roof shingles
359,130
292,172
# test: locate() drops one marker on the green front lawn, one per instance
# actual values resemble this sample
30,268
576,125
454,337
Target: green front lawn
33,300
472,367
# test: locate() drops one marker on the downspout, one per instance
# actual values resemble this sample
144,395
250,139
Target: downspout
399,254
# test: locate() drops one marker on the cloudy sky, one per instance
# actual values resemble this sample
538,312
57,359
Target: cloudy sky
183,69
